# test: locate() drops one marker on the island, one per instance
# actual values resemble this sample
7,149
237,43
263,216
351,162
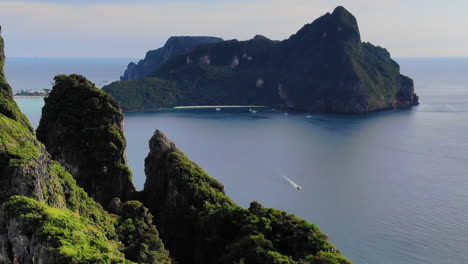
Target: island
33,93
324,67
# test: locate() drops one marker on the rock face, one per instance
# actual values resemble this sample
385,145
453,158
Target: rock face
81,127
174,46
200,224
324,67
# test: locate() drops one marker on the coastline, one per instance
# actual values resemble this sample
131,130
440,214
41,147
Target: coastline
29,96
217,106
192,107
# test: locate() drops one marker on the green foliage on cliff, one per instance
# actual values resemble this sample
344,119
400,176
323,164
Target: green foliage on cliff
324,67
81,127
76,199
17,144
200,224
71,237
139,235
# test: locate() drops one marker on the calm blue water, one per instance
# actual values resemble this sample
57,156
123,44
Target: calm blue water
390,187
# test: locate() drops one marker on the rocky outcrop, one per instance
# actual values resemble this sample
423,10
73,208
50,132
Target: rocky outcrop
174,46
44,216
81,127
200,224
324,67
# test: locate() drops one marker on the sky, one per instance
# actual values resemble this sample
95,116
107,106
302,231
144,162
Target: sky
129,28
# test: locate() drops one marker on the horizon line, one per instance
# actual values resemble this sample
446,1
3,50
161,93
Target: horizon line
140,58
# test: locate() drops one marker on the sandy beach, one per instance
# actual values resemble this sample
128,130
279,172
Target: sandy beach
218,106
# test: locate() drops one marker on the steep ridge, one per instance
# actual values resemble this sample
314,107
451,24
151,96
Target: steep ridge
200,224
155,58
324,67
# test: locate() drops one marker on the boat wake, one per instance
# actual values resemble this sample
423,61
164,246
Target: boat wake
293,184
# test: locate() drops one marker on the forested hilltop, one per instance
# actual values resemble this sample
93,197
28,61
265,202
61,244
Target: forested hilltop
324,67
67,196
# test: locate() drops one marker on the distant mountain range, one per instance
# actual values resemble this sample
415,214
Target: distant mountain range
324,67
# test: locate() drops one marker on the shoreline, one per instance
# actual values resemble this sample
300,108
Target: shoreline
193,107
216,106
29,96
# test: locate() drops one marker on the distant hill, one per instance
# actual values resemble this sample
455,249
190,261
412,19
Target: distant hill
324,67
155,58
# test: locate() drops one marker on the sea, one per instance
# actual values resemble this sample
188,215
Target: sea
387,188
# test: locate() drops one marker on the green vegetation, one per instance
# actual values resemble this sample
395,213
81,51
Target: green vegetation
17,144
324,67
140,236
71,237
139,94
200,224
81,127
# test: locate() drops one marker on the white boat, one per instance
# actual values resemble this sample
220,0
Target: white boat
308,116
253,111
293,184
218,109
286,114
250,110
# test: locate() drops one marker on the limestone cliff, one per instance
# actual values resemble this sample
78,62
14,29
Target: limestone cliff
81,127
324,67
155,58
45,217
200,224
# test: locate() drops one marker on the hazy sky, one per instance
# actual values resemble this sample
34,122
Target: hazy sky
128,28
